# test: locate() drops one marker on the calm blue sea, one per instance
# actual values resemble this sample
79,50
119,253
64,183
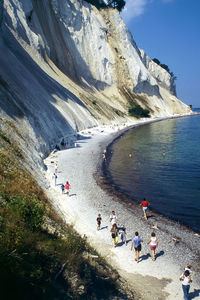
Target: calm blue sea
170,184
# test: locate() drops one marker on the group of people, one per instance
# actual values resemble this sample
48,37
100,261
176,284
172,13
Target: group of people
64,187
115,230
136,241
137,245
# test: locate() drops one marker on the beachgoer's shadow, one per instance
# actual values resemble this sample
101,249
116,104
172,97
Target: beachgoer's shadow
72,195
150,216
128,241
194,294
123,243
159,254
105,227
144,257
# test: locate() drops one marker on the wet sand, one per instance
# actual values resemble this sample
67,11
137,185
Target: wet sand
91,194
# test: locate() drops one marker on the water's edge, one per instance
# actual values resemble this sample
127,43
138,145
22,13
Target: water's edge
104,179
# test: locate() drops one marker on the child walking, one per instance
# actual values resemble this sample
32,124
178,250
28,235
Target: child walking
99,219
114,234
67,187
62,188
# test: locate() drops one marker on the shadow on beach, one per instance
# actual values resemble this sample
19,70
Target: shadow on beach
159,254
105,227
194,294
144,257
123,243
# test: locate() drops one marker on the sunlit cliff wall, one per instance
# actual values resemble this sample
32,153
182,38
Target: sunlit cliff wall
65,66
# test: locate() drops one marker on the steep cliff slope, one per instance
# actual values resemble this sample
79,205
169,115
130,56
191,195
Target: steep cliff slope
65,66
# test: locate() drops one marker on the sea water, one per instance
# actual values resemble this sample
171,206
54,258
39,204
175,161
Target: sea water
170,182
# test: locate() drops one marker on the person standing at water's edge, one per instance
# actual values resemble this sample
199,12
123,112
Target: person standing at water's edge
145,204
136,242
186,280
153,244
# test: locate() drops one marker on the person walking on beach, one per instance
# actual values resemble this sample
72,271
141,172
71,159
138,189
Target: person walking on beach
62,188
123,235
186,280
99,219
114,234
153,244
55,178
113,218
145,204
136,243
67,187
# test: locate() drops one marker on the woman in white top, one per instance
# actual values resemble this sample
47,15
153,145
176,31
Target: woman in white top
153,244
186,280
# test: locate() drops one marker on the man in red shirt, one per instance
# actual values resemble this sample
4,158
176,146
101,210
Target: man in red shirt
145,205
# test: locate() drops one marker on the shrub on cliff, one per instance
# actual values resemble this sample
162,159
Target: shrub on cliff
135,110
164,66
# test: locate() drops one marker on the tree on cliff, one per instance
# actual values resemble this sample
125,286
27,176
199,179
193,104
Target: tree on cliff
164,66
118,4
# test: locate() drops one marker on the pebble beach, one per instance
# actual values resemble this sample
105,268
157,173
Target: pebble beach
90,195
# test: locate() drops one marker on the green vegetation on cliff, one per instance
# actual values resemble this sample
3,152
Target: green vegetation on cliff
135,110
118,4
40,256
164,66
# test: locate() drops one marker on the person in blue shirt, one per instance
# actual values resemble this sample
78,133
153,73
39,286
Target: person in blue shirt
136,242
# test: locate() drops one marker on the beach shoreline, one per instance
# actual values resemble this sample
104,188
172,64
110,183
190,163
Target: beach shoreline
81,167
104,179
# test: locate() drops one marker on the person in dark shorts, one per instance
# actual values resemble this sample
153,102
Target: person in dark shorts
99,219
136,242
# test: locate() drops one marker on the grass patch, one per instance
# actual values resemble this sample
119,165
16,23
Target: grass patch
40,256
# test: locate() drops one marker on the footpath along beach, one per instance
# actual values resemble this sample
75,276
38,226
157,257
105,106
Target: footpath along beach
177,247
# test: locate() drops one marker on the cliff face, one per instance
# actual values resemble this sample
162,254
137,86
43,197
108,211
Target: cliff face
162,77
65,66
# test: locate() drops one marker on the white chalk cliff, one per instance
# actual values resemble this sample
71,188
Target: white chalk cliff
66,66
